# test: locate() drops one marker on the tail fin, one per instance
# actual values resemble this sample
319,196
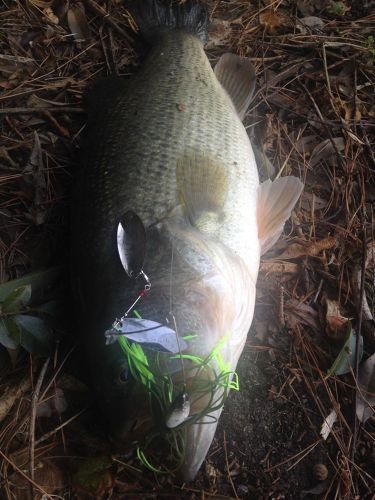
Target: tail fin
155,17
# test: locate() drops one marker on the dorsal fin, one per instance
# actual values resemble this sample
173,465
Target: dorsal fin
202,182
237,75
276,201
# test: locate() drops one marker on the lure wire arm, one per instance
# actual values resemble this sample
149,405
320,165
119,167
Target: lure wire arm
147,286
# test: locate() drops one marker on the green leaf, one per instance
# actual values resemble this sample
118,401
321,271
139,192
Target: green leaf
35,334
40,281
17,300
345,361
9,333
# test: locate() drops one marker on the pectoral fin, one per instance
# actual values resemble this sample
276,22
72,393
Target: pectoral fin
276,201
237,75
202,184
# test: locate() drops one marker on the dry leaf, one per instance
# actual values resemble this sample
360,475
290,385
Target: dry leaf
271,20
56,404
78,23
328,424
301,313
312,22
326,150
10,396
308,249
306,144
35,181
46,474
336,324
309,202
50,15
218,33
356,279
278,267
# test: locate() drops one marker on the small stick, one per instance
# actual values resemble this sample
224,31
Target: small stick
57,109
34,403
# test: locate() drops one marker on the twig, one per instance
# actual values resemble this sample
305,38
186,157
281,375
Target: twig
34,403
227,465
57,109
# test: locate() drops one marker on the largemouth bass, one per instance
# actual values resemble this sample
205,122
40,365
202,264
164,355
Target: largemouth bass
166,152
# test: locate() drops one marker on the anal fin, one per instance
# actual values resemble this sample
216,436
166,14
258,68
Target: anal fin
237,75
276,201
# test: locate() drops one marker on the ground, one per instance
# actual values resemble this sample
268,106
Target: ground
312,116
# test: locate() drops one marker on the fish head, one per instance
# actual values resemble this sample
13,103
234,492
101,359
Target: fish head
206,293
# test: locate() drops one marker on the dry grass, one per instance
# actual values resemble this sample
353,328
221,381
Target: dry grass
313,116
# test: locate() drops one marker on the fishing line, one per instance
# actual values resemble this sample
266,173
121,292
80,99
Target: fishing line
171,315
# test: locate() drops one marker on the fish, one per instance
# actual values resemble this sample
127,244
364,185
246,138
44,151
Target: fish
168,188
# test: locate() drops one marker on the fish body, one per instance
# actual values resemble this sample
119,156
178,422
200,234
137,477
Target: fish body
169,145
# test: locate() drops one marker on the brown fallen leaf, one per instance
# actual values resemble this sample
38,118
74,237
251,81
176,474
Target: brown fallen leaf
279,267
34,181
218,33
306,144
326,150
11,395
51,16
336,324
308,249
270,19
56,404
46,474
312,22
310,201
78,23
299,312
